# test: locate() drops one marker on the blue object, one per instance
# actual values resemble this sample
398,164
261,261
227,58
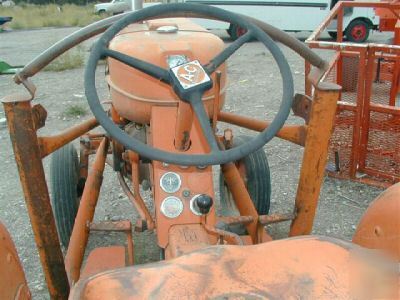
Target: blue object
4,20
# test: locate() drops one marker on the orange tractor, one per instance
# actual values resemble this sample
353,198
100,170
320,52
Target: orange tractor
167,78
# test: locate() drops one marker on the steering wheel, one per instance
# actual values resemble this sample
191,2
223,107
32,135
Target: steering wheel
188,91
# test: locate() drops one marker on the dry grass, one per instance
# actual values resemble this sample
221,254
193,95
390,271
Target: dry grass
27,16
74,111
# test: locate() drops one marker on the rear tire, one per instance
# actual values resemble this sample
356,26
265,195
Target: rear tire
257,177
64,174
357,31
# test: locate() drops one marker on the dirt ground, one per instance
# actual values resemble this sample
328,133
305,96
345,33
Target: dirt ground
254,90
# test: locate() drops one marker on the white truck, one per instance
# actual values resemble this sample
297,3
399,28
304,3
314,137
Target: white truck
290,15
295,16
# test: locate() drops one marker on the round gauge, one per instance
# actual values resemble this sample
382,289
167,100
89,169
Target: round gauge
171,207
170,182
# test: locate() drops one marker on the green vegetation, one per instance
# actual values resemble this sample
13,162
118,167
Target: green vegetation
27,16
75,110
71,59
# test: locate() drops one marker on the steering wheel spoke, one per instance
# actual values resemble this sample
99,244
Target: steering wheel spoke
228,51
145,67
204,120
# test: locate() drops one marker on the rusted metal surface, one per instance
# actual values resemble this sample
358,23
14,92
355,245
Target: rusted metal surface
293,133
52,143
275,218
315,156
80,231
329,269
379,228
113,226
234,220
30,167
13,284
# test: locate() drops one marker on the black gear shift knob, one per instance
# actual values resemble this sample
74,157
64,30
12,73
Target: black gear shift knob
204,203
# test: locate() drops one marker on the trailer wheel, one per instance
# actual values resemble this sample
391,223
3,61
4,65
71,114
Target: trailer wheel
236,31
357,31
254,169
64,174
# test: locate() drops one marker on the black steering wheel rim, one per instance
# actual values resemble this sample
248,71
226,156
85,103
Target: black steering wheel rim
213,158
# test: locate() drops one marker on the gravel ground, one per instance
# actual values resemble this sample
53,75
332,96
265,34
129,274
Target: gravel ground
254,90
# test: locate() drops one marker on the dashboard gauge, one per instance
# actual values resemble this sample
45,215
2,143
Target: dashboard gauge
171,207
170,182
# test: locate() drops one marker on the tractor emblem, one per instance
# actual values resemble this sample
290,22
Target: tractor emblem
190,74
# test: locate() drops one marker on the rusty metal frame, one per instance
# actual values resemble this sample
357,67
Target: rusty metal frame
29,161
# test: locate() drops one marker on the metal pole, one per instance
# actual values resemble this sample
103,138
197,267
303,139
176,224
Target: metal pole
87,206
315,155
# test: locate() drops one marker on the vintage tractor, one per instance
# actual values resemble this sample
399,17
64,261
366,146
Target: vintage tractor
167,79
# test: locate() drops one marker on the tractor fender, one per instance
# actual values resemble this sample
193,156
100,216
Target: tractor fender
379,227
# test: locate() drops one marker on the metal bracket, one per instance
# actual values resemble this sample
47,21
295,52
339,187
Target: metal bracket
301,106
39,115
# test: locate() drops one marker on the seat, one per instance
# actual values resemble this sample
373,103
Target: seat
311,267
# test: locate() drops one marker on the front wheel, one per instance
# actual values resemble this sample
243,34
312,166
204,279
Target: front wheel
64,174
357,31
254,170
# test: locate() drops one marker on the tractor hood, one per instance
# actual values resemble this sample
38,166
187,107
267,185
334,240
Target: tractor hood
165,43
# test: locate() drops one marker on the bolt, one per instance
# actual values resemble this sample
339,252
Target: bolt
186,193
